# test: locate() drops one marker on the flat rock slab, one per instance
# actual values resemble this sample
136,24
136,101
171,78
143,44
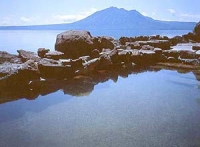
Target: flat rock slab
27,55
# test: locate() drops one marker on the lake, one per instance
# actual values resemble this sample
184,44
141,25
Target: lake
11,41
149,108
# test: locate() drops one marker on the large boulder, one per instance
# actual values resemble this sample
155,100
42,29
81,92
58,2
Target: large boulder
74,44
197,29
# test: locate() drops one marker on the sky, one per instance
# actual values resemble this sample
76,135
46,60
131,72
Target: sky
37,12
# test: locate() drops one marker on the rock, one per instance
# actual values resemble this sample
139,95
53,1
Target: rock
125,55
106,43
171,53
147,52
196,47
171,60
42,51
77,63
177,39
186,54
6,57
85,58
189,61
27,55
66,62
105,62
139,38
158,51
147,47
197,29
103,43
114,56
147,56
56,55
190,37
133,45
161,58
163,44
95,53
74,44
88,67
198,54
123,40
50,68
12,75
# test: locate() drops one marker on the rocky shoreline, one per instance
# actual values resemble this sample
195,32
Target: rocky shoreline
81,61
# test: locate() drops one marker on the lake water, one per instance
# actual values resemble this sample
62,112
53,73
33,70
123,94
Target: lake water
146,109
11,41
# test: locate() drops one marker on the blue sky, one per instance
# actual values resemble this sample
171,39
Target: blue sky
31,12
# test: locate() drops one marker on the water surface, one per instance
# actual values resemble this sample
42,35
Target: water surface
146,109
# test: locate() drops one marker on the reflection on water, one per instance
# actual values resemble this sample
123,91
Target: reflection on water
158,109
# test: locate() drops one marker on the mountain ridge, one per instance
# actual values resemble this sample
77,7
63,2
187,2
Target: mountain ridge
112,18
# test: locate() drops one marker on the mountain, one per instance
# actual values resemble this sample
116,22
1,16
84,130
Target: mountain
113,18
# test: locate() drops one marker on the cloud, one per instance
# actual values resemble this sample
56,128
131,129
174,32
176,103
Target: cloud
72,17
25,19
193,16
144,13
68,18
11,20
172,11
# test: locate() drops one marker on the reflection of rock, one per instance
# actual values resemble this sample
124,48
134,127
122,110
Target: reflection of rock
197,74
14,82
79,86
198,101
